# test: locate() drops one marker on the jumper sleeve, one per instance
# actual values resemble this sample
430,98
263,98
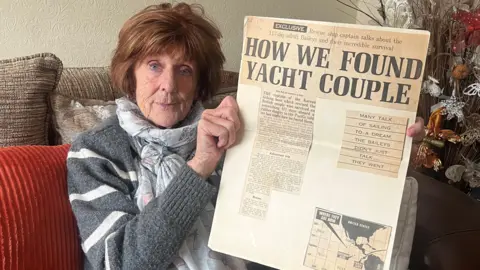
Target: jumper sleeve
113,232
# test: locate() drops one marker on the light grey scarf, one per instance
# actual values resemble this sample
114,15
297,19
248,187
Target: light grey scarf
161,154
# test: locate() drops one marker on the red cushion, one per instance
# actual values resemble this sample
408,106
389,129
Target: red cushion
37,226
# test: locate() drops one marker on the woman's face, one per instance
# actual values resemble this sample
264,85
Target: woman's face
166,88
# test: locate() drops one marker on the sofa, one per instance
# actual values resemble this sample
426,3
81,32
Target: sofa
44,105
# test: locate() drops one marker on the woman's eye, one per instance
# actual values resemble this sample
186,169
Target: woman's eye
186,71
154,66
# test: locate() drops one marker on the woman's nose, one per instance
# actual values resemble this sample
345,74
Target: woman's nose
168,82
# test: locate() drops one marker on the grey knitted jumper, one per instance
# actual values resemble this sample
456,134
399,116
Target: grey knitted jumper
114,233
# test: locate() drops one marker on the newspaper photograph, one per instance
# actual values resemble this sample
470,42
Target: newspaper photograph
317,178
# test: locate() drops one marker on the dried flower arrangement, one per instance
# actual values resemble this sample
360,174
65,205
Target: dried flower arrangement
450,99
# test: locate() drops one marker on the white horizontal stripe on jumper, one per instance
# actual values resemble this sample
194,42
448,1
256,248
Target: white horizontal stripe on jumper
92,194
85,153
101,230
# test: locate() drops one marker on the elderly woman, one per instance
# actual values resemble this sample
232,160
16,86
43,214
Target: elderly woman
139,183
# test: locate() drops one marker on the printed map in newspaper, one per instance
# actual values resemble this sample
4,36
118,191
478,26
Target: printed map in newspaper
325,108
346,243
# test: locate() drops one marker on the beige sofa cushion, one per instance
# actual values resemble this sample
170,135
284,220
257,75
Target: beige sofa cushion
25,83
87,83
219,96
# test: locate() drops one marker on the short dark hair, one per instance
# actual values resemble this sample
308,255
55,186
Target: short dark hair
165,28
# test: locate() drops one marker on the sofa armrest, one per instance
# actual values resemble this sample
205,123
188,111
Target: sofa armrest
456,251
446,217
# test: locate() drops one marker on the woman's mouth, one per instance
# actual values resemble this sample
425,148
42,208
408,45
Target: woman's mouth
165,105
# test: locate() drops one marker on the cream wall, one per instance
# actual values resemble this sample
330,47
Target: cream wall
83,33
370,7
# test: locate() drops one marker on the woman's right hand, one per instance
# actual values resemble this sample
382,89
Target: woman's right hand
216,132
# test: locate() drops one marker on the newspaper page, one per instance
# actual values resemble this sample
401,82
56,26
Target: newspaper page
317,178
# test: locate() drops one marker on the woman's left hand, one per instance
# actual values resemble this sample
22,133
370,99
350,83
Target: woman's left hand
417,130
216,133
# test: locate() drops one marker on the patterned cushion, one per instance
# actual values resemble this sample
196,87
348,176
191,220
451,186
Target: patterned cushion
73,116
25,83
37,226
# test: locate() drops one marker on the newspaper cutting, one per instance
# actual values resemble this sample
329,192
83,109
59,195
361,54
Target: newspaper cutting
280,150
317,178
